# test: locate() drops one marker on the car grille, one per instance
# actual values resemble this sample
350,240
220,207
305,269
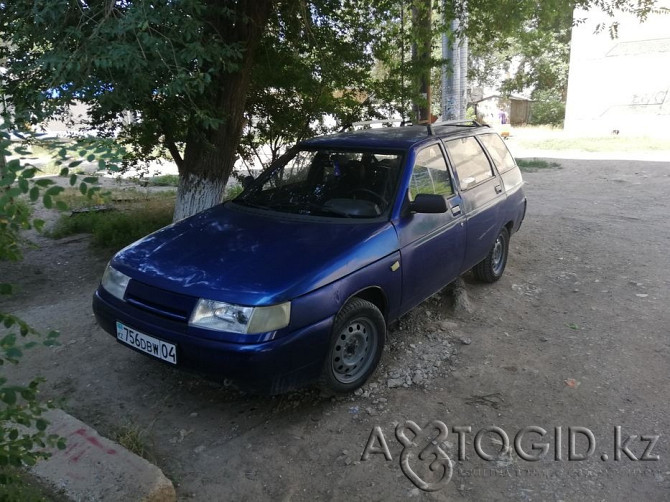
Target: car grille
160,302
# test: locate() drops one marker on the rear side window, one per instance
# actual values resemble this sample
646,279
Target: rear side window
498,151
469,159
430,174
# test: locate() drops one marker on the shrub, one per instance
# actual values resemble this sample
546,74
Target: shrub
547,109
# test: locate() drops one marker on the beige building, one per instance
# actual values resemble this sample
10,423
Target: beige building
619,85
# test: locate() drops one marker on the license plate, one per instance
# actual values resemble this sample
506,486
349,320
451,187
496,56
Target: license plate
147,344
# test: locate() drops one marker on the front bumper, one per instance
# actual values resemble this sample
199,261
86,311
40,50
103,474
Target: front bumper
276,366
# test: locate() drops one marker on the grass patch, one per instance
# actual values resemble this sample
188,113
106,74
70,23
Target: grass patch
164,180
132,438
233,191
602,144
528,164
129,215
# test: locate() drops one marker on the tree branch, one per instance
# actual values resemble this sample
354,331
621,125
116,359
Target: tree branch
174,151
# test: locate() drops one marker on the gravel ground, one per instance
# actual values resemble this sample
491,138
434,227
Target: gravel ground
573,339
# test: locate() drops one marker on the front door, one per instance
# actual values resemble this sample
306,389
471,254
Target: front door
431,245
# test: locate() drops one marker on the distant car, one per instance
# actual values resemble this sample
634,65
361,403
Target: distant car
296,279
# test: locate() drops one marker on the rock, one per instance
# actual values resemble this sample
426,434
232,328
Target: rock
465,340
393,383
93,467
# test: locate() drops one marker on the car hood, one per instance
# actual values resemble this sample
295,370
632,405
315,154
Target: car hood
252,257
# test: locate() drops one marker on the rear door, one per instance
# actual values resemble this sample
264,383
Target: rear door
482,192
431,245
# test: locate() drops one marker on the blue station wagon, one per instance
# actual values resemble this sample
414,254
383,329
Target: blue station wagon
296,280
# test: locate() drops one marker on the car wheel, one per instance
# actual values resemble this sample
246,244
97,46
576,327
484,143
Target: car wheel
491,268
357,341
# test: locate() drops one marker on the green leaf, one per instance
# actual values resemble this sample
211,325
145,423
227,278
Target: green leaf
73,179
38,224
41,424
48,203
90,157
5,289
24,185
54,190
44,182
83,187
61,206
8,396
91,179
34,194
64,172
101,164
75,163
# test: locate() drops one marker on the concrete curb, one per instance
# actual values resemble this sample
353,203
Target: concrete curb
93,468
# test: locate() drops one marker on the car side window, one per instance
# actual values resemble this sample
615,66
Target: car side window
469,159
498,151
430,174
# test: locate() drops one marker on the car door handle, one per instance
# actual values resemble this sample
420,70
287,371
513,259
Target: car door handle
498,188
455,210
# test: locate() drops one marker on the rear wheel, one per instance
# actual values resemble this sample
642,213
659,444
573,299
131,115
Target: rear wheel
491,268
357,341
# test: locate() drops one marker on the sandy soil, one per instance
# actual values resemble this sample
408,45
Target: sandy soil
574,335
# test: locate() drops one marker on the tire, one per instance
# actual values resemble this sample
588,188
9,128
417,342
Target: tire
491,268
357,341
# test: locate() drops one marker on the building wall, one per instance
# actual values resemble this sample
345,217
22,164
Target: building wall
620,84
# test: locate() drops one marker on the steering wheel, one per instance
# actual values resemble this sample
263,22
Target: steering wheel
377,198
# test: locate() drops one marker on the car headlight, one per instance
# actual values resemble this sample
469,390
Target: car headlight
115,282
223,316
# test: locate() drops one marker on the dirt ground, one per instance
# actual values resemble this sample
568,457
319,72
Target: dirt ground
574,336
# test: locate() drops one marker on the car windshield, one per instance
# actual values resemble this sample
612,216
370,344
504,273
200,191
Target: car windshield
327,182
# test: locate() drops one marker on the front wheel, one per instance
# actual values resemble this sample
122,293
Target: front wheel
357,341
491,268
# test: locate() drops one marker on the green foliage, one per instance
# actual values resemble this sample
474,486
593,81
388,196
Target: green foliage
23,434
532,164
164,180
117,228
233,191
547,108
321,68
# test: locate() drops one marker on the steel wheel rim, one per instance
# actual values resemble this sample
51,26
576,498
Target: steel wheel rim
498,255
354,350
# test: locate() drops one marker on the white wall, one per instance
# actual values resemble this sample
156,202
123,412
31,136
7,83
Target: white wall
620,84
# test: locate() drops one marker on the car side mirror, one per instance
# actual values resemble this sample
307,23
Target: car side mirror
428,203
467,183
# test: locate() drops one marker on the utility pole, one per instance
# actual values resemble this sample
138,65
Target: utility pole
421,56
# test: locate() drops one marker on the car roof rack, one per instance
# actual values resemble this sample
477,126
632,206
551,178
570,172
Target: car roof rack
455,123
402,122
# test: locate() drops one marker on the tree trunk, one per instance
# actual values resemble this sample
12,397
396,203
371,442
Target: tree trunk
195,194
209,156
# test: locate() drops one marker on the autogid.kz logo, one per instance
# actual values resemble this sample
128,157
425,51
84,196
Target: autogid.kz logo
425,460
